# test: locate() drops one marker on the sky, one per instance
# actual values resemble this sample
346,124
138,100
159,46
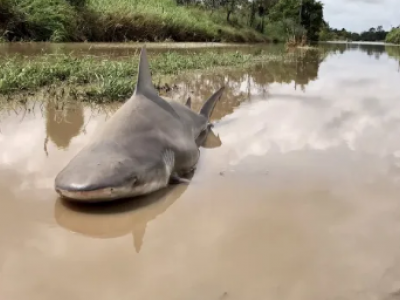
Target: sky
360,15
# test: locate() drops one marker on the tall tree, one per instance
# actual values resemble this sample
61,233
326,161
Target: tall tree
262,8
312,17
306,13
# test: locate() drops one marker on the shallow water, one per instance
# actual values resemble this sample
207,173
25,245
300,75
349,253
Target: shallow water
117,49
297,198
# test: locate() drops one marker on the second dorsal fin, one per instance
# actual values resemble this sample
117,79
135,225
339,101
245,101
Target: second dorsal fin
189,102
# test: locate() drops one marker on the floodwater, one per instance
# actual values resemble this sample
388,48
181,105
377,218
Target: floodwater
115,49
296,196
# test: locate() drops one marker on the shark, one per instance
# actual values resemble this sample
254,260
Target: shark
147,144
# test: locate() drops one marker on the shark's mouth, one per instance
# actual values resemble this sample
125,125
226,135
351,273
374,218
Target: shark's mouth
128,190
104,194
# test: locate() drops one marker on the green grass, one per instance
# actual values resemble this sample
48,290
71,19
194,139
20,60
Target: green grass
119,20
393,36
100,78
158,20
39,20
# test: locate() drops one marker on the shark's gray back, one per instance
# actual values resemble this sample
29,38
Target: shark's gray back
143,128
191,120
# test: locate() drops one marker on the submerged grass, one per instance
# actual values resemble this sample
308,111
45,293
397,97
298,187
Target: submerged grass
101,78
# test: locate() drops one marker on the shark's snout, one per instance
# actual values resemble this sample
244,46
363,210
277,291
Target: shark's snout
91,179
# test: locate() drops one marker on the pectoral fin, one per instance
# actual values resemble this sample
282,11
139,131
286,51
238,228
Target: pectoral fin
175,179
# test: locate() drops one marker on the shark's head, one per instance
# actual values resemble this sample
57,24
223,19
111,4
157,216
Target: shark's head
106,171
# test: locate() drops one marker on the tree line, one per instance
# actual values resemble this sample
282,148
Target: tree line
293,20
374,34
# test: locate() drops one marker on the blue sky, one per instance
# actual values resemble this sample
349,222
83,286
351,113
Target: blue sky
360,15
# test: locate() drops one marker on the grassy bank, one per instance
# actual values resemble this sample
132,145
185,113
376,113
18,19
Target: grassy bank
393,36
120,20
97,78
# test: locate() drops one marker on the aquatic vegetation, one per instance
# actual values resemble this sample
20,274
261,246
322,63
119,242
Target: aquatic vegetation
393,51
98,77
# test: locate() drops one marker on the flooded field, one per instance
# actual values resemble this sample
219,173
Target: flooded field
297,196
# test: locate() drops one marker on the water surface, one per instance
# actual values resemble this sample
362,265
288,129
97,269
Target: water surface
296,197
115,49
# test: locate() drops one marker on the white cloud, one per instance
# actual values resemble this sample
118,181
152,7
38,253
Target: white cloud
347,106
360,15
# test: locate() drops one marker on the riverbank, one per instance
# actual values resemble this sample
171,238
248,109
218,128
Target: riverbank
118,21
100,79
393,36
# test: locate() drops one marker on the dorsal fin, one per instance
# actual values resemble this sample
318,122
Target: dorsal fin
145,87
189,102
209,105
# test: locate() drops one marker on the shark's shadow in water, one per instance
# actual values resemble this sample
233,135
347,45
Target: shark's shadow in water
131,216
112,220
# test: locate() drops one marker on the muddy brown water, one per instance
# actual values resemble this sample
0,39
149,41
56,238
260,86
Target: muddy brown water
296,197
119,49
